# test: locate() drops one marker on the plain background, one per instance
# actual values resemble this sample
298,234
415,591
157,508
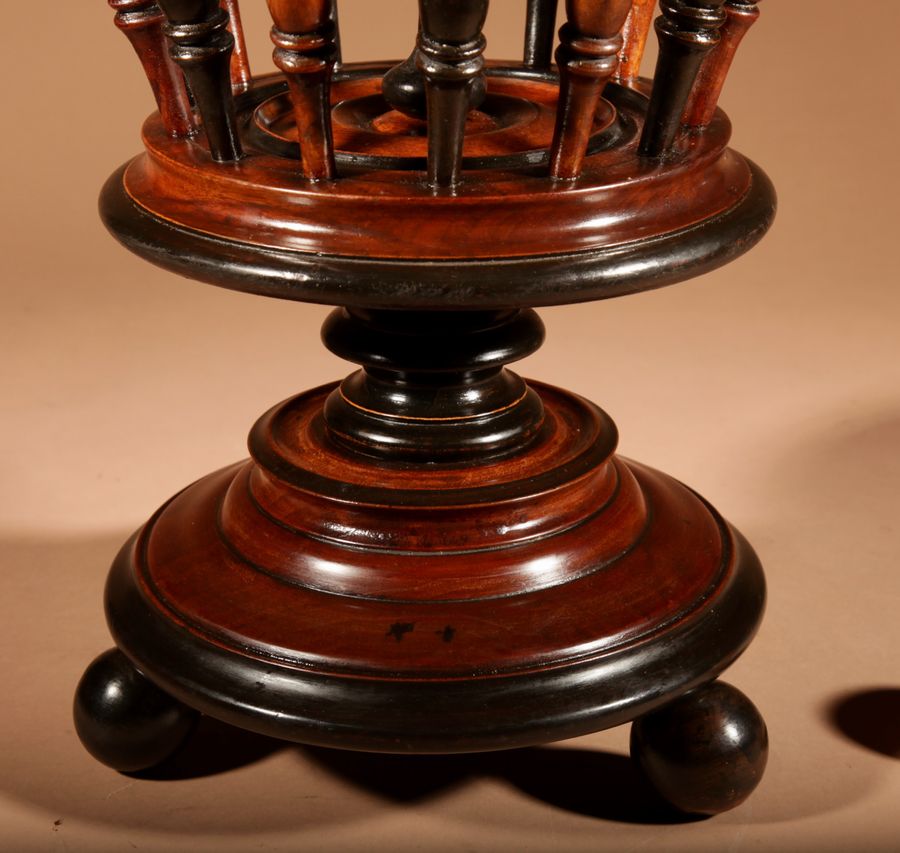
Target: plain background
771,386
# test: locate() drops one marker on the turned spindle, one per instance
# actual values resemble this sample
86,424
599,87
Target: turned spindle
687,31
741,15
240,60
590,41
202,47
634,40
449,53
142,22
305,51
540,23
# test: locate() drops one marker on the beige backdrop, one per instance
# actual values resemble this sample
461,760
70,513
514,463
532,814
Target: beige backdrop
771,386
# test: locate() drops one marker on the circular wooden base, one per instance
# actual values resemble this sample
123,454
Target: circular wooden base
381,236
318,596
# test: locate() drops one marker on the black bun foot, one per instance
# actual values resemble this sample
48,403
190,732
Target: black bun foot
705,752
124,719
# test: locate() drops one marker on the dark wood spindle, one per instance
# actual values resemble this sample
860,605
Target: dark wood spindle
634,38
240,60
305,51
449,53
540,25
741,15
142,21
202,46
687,31
587,56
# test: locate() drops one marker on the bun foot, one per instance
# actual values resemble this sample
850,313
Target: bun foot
123,719
705,752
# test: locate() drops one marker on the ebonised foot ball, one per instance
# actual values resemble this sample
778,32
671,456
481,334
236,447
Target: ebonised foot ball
705,752
124,719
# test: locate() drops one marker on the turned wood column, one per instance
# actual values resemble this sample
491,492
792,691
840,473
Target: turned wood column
687,31
202,47
305,50
740,16
142,22
449,54
587,56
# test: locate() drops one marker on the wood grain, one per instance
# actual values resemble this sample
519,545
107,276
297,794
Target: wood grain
687,30
634,40
142,22
305,51
202,47
587,56
240,60
701,107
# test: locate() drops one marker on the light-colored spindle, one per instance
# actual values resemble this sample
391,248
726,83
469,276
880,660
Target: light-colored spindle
240,61
634,38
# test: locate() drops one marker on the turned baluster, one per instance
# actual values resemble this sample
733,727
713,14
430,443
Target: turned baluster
449,53
202,47
240,60
741,15
142,21
590,41
634,38
305,51
687,31
540,23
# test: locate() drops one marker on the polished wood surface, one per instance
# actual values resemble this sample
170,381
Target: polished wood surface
587,56
305,51
449,55
202,47
701,107
142,22
540,28
706,752
241,76
687,31
634,39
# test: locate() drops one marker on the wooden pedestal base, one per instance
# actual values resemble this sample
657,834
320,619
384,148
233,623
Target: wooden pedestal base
339,590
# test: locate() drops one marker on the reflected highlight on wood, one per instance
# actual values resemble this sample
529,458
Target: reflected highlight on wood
741,15
687,30
634,38
587,57
449,54
240,61
202,47
304,50
142,22
540,25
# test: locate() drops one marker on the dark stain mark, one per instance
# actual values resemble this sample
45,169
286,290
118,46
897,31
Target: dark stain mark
447,634
398,629
57,824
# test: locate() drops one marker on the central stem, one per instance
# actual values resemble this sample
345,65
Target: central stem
434,387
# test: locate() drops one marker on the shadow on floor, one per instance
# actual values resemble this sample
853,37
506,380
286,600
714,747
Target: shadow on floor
871,718
587,782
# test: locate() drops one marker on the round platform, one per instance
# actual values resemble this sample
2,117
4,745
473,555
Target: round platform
319,597
507,236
